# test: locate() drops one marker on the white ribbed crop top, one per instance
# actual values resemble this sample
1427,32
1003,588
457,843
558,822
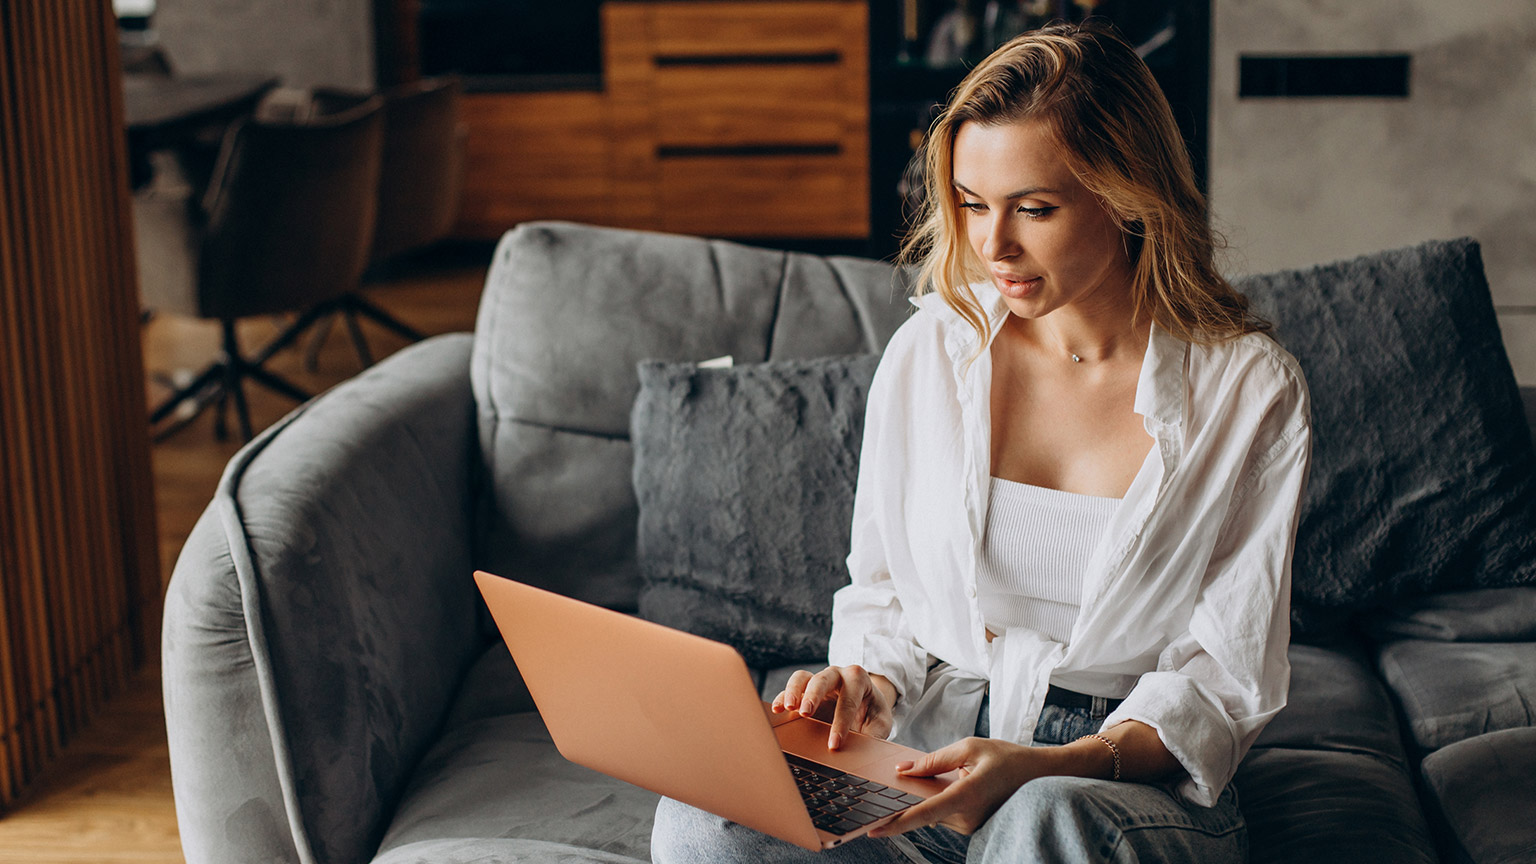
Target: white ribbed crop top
1034,554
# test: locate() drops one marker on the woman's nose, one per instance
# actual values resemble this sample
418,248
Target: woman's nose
999,242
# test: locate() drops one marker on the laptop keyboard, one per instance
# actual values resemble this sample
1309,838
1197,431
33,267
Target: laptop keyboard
840,802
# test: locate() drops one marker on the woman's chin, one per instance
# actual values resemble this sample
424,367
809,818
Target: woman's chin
1033,306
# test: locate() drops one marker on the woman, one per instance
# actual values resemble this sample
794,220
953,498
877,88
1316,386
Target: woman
1078,494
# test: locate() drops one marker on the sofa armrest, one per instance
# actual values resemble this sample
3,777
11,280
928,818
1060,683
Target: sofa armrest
321,615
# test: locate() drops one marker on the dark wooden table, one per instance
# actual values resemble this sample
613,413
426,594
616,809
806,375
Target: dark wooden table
168,111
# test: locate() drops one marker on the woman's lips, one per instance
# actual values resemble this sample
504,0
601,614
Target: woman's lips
1016,286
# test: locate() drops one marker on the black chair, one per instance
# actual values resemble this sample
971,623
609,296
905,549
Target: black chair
286,226
420,185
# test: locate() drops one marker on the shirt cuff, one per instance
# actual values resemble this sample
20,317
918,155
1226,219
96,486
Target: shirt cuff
901,661
1192,725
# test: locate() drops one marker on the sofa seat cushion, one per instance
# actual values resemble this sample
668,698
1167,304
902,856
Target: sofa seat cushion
482,851
494,788
1451,691
1317,805
501,779
1336,703
1485,788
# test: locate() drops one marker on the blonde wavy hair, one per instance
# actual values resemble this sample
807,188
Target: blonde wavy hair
1102,105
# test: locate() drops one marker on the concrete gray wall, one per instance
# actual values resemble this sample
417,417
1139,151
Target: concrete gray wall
1304,181
309,43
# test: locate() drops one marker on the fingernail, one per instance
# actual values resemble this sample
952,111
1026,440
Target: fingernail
904,766
834,741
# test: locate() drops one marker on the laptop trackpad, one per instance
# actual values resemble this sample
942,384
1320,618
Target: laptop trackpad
869,757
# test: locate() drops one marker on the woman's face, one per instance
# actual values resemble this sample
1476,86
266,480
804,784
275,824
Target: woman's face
1046,241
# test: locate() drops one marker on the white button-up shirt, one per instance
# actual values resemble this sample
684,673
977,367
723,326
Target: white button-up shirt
1186,599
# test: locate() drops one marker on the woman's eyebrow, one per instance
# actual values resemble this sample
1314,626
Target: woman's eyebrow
1022,193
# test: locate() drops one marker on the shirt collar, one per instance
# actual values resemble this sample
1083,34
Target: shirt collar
1160,390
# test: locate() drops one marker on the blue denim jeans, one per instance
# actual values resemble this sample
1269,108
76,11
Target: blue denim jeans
1056,820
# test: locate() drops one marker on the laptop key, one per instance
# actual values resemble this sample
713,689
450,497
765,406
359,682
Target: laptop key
874,810
861,818
844,827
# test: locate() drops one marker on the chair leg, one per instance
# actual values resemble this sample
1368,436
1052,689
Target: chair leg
231,388
202,391
359,343
274,382
316,342
191,391
242,410
363,306
223,383
291,332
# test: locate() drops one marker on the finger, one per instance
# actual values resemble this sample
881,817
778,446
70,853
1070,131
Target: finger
794,688
822,685
944,759
850,713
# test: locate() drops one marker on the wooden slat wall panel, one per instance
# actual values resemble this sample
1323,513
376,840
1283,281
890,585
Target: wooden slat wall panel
79,576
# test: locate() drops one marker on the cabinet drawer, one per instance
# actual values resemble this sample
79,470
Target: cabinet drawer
534,156
742,104
764,196
720,29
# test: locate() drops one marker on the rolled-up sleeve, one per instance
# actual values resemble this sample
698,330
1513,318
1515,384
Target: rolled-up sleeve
1218,684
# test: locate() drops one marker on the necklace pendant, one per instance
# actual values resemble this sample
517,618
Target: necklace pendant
1076,359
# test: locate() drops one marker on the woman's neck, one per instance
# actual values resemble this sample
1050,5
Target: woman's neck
1087,335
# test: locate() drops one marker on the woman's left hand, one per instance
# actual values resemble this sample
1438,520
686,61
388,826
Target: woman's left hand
990,772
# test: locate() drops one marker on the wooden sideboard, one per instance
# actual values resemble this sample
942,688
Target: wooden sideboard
726,118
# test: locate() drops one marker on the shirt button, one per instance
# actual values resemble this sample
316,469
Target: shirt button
970,591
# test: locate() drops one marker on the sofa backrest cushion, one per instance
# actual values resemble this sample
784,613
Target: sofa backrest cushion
1423,476
568,313
745,479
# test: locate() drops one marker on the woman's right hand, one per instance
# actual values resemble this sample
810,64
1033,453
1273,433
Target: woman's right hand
864,700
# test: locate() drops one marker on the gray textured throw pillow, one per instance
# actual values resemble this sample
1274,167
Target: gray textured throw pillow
1423,477
745,479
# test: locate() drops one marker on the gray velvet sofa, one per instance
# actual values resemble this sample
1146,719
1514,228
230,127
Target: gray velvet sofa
334,692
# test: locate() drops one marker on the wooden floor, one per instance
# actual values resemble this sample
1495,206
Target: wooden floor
108,798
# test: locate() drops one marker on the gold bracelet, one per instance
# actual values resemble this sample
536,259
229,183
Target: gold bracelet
1114,751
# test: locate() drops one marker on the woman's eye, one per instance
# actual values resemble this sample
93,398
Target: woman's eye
973,206
1036,212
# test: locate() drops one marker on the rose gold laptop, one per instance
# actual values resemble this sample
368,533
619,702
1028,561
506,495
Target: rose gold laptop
679,715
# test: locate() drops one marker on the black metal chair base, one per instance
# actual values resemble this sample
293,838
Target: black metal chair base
349,306
223,382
